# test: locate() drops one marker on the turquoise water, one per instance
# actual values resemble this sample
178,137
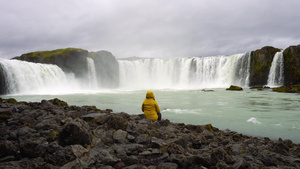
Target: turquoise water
251,112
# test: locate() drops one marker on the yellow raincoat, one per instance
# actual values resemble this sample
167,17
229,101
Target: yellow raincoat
150,106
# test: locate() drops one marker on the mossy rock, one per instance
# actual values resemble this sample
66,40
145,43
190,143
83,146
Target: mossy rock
260,64
260,88
235,88
11,100
69,59
291,57
58,102
287,89
54,135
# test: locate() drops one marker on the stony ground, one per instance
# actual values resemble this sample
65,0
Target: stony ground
52,134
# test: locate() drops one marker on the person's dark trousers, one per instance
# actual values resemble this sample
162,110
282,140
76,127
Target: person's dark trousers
159,116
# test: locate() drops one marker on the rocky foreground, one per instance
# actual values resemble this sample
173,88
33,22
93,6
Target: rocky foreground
52,134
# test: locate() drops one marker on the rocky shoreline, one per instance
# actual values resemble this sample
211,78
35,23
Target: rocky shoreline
51,134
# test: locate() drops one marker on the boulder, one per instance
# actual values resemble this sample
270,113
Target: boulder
260,64
236,88
291,59
120,136
287,89
61,156
76,131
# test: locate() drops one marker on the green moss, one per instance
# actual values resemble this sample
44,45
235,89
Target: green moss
89,119
209,127
53,134
243,151
92,144
11,100
58,102
46,55
287,89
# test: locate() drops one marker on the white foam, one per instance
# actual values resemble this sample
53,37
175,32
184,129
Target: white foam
253,120
183,111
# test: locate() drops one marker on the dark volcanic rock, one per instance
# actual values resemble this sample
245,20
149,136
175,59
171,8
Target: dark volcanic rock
288,89
237,88
75,132
261,61
52,134
3,83
291,57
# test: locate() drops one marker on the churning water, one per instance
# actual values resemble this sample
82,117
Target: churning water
178,85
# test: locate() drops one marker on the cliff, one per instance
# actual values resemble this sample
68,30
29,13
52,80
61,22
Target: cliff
107,69
69,59
291,57
3,83
260,63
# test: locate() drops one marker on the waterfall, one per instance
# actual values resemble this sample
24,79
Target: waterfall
196,72
21,77
92,77
275,77
26,77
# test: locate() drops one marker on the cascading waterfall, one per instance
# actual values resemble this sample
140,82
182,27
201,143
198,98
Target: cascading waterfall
275,77
197,72
92,77
173,73
26,77
23,77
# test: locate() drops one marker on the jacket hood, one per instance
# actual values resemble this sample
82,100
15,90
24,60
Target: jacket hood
150,95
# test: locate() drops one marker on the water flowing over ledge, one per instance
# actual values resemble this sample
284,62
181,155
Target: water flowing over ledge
153,73
197,72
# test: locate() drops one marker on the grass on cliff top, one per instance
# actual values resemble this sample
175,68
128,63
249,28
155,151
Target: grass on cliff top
47,54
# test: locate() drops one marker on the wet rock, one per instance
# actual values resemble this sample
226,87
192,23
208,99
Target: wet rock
236,88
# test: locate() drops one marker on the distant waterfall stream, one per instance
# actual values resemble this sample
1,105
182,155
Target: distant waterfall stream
276,71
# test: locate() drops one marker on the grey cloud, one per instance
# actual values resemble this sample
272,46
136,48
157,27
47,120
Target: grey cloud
148,28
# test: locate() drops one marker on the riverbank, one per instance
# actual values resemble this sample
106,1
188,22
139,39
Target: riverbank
52,134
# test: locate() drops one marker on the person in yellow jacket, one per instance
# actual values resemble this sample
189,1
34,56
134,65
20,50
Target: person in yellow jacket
150,107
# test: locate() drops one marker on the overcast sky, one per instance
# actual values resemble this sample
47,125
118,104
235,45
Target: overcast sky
149,28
